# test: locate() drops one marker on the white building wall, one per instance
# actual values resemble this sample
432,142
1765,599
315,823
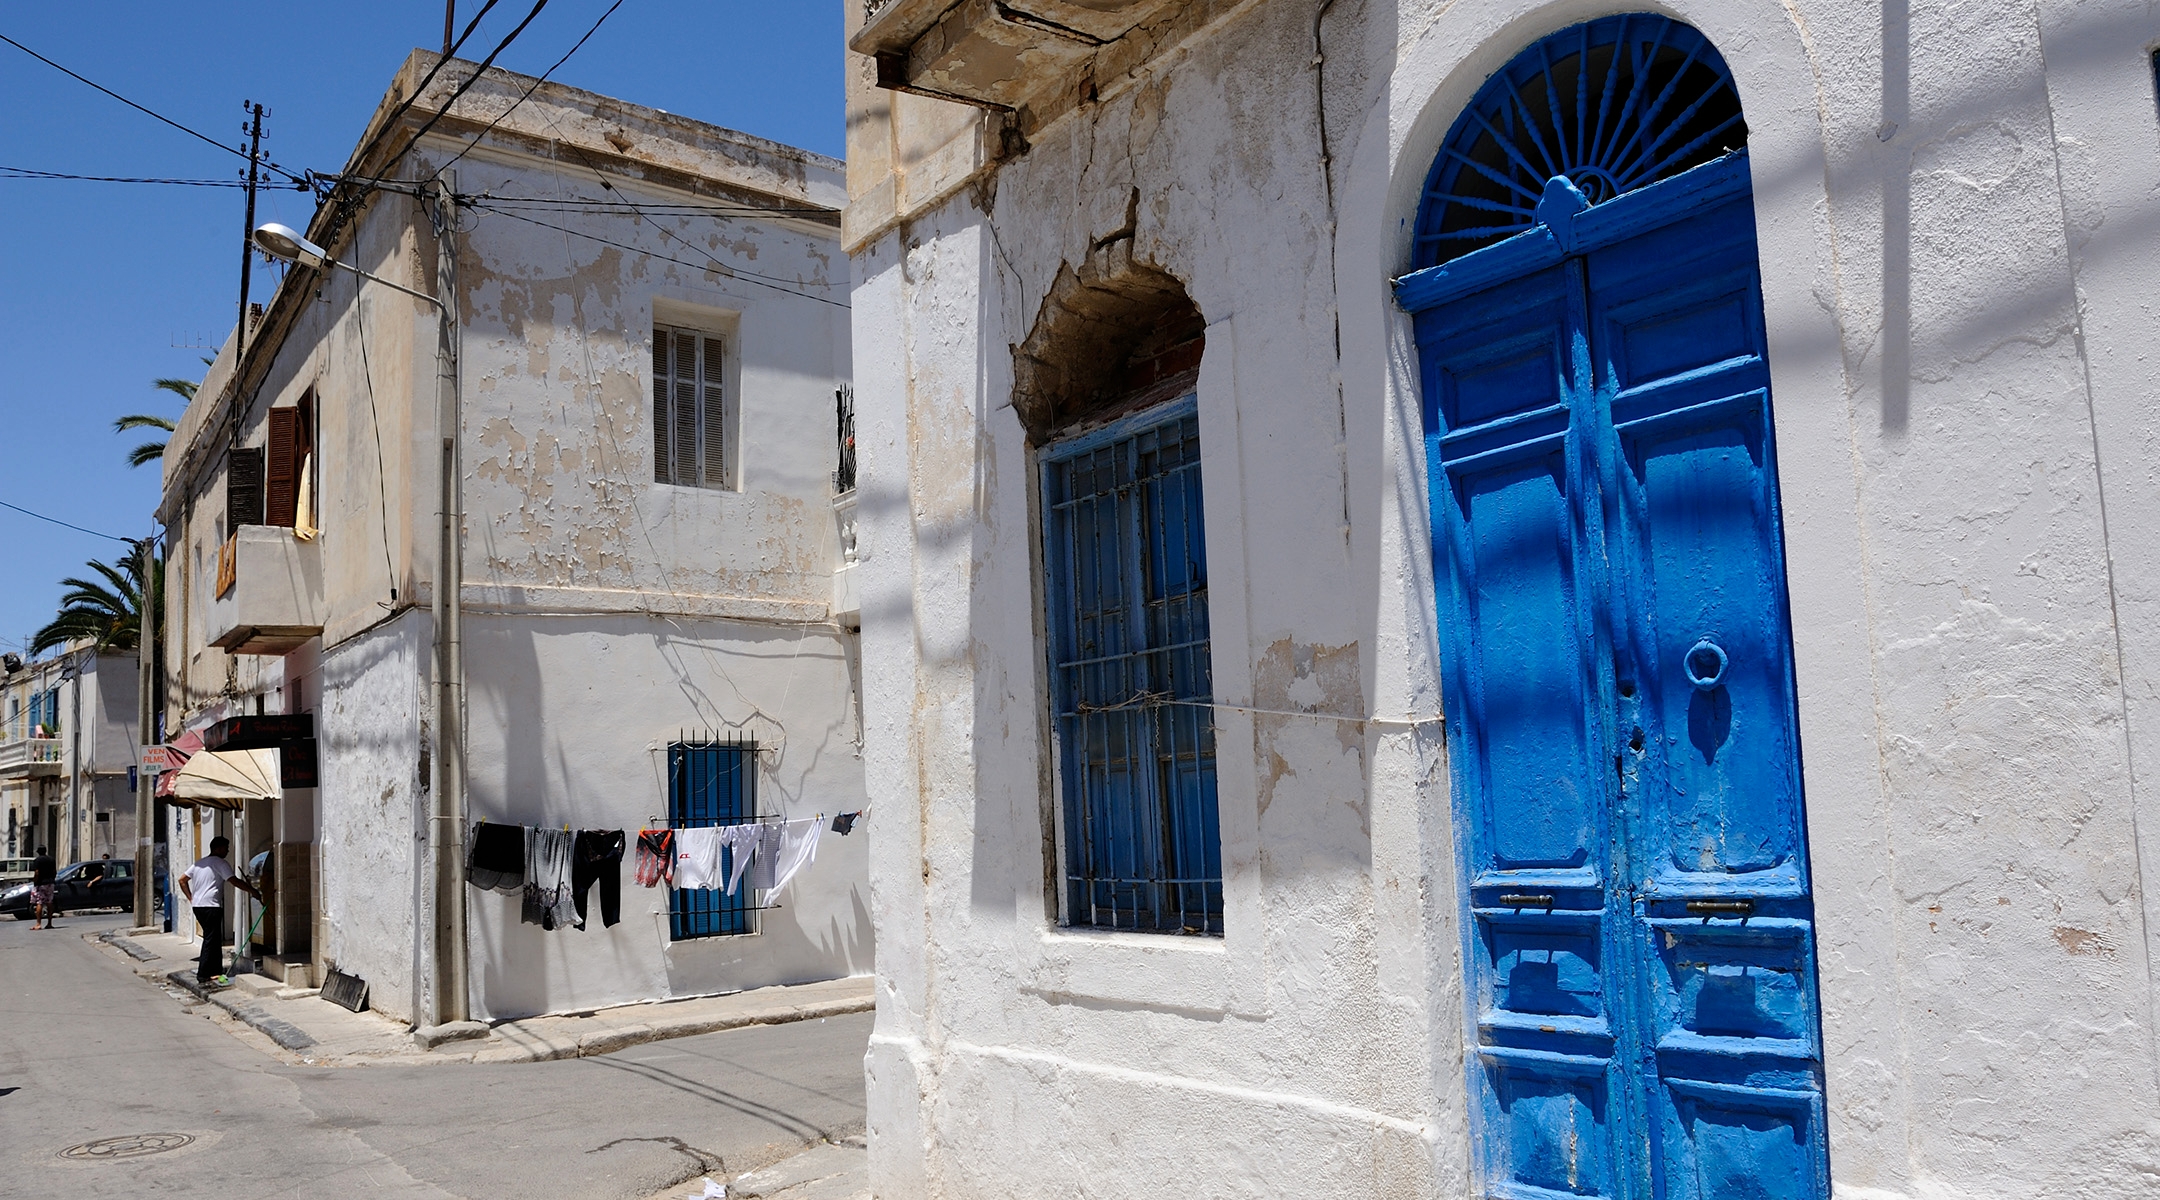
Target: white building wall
1958,268
571,720
372,822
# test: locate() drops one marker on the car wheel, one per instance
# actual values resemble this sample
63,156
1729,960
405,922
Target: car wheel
21,914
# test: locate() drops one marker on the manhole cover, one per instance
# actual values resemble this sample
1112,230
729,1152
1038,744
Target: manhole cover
134,1145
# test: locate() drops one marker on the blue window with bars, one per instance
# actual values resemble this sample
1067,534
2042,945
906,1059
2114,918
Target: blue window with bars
1131,689
710,784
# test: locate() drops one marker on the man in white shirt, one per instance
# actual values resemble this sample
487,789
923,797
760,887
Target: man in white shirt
204,887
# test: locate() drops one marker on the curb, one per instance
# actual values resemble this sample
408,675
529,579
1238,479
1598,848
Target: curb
543,1048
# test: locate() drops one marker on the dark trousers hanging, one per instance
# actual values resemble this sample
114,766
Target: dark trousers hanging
597,858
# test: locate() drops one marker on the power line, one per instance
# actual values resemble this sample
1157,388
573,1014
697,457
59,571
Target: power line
57,521
467,86
535,84
31,173
194,133
626,208
714,265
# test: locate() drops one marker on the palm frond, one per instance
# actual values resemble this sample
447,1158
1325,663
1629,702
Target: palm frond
143,421
183,388
145,454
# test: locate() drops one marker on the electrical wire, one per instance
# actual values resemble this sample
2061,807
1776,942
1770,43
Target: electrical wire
535,86
194,133
57,521
715,264
419,90
478,73
30,173
627,209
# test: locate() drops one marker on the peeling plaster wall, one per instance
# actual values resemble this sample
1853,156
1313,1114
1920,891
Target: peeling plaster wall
1958,253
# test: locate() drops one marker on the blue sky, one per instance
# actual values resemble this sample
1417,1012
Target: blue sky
105,287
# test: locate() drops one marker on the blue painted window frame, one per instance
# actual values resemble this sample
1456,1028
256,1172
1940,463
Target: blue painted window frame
1131,684
711,784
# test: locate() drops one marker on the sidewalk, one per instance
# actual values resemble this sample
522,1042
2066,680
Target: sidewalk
838,1170
300,1024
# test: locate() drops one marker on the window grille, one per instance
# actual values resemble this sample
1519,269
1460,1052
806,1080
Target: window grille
690,420
1130,679
709,784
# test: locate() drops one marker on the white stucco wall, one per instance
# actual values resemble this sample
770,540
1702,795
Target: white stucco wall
571,720
372,819
1966,468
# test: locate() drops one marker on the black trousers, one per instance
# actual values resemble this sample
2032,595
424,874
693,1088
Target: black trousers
596,857
212,963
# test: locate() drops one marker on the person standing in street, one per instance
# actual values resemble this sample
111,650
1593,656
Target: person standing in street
203,886
42,874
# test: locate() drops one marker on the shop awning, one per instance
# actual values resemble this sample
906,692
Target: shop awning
227,778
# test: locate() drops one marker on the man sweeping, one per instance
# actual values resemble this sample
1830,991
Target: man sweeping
203,885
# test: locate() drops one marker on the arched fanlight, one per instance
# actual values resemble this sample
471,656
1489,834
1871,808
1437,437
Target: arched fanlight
1612,104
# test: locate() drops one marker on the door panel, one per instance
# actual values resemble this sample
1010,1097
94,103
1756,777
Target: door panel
1623,735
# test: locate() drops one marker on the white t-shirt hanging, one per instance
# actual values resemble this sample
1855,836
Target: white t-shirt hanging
697,858
798,849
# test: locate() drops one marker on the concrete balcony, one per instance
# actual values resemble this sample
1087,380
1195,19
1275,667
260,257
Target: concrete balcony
995,53
846,605
275,600
26,758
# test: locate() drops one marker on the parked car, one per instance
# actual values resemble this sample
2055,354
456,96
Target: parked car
98,883
15,870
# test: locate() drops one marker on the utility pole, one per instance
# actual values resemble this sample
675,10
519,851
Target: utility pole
247,232
146,648
449,22
447,837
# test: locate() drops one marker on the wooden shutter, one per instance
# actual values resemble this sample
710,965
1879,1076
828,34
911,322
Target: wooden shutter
243,488
715,414
686,431
281,484
663,466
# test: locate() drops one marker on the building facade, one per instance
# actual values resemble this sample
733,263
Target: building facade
67,754
1509,599
650,348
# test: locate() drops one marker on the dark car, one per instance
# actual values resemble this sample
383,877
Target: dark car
99,883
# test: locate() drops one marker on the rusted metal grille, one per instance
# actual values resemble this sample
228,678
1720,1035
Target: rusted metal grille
1131,685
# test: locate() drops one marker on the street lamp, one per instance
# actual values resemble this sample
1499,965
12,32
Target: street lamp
285,243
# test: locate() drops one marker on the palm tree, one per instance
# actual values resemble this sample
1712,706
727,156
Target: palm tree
150,452
108,611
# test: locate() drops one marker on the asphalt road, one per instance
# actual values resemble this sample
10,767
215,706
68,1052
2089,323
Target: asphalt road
89,1052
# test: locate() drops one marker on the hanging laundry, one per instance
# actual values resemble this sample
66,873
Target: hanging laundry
596,857
798,849
741,842
547,878
655,857
697,858
764,868
495,857
844,824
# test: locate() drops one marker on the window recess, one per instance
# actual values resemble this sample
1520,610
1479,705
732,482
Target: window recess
692,433
1131,684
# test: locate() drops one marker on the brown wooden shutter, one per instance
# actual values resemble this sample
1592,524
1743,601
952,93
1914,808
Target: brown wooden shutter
243,488
662,468
281,481
715,415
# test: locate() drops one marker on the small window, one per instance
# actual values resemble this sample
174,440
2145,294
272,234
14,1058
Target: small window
1131,684
711,784
288,461
692,442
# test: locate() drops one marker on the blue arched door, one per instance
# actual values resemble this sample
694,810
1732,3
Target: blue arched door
1617,653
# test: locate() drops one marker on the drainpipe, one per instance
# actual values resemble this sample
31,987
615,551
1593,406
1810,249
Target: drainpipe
74,762
447,835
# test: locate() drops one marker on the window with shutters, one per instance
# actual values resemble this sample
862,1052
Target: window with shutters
287,459
693,438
